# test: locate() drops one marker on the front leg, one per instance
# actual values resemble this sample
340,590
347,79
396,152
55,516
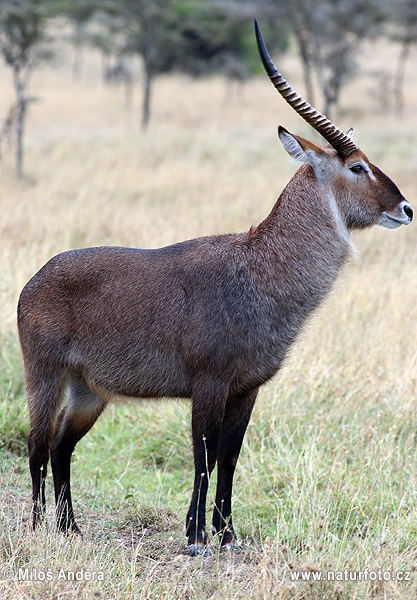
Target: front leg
208,403
236,419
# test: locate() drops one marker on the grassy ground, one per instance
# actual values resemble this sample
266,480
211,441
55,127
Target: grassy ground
327,479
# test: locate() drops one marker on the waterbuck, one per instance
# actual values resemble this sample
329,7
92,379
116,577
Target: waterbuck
209,319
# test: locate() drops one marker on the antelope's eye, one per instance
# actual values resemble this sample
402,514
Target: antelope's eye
357,168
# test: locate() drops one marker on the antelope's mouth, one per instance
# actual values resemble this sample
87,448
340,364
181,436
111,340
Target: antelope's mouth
403,215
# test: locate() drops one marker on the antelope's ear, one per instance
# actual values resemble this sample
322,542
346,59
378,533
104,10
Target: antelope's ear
300,149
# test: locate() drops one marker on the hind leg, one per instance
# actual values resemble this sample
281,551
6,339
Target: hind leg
75,420
43,401
38,461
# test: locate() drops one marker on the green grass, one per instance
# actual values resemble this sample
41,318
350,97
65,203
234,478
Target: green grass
322,484
14,421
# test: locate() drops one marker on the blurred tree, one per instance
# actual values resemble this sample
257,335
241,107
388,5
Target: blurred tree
402,28
329,34
219,36
138,27
192,36
22,36
299,18
108,35
151,32
285,17
79,13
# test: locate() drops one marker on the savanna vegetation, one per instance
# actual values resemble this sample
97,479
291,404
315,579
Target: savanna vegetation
327,478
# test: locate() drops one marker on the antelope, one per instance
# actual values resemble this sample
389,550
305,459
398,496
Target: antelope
210,319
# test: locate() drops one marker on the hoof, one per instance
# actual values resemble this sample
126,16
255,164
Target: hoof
231,547
199,550
76,532
71,531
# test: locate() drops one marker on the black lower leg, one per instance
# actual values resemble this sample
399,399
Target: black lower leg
70,429
61,472
222,513
207,417
236,419
38,462
196,516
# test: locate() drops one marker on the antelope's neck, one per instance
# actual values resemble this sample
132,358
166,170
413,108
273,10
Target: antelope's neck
306,244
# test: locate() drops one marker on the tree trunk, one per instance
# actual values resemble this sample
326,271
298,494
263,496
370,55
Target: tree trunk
146,107
400,76
105,63
19,139
328,104
128,85
78,50
331,91
304,50
20,119
148,74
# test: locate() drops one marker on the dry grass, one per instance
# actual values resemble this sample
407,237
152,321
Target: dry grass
327,477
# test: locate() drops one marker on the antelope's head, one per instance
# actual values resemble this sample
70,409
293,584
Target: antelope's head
364,194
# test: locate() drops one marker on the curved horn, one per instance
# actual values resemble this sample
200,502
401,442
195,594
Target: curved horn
335,136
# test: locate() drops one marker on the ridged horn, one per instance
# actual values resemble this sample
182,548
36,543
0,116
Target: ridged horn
340,141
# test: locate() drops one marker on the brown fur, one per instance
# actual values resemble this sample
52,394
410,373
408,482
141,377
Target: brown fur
209,319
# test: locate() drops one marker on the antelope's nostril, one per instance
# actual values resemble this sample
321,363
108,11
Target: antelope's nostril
408,211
